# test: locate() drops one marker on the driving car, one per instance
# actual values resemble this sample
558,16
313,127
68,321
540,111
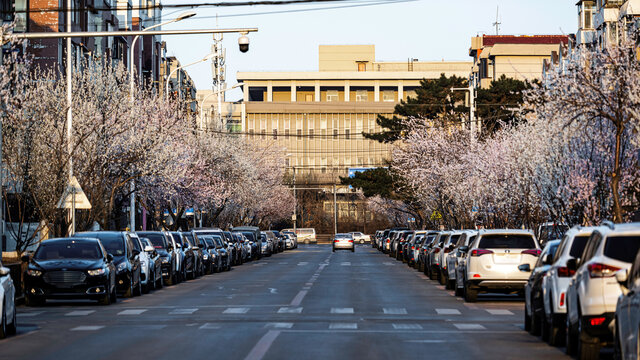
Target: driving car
8,322
164,245
533,292
593,293
68,268
343,242
126,259
493,259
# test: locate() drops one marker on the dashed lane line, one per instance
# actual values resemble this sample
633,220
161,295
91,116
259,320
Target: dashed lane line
342,310
407,327
236,311
298,299
278,325
395,311
80,313
132,312
343,326
290,310
87,328
448,312
263,345
469,327
183,311
499,312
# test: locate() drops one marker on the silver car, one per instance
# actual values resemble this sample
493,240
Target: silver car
454,260
343,242
492,262
8,324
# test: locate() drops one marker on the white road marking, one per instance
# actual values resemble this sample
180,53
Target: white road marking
209,326
298,299
80,313
290,310
448,312
309,283
407,327
303,263
29,314
346,263
279,325
273,291
425,341
183,311
499,312
394,311
342,310
469,326
263,345
343,326
388,263
283,263
87,328
440,287
132,312
236,311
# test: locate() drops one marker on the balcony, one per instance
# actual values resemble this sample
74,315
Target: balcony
605,15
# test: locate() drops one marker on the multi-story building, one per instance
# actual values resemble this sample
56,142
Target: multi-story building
181,86
228,119
517,57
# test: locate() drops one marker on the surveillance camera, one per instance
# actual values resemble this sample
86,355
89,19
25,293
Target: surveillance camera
243,43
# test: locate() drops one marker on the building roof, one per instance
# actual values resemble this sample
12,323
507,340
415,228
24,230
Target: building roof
489,40
357,75
523,49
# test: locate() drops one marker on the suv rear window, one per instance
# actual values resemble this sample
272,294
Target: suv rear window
578,245
506,241
623,248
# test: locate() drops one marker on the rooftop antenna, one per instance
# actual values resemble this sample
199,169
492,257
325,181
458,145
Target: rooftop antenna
497,23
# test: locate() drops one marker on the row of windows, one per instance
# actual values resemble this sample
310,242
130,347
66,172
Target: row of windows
311,134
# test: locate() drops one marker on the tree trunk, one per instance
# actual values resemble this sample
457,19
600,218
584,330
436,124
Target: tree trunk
615,176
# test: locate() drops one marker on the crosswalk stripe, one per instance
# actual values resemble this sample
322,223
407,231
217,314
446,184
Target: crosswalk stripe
469,326
407,327
343,326
303,263
29,314
132,312
448,312
499,312
342,310
290,310
236,311
80,313
346,263
209,326
279,325
87,328
183,311
394,311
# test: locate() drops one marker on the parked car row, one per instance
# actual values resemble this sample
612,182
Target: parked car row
101,265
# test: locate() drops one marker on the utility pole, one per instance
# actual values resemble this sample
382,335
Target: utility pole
335,211
218,68
497,23
472,108
72,211
295,201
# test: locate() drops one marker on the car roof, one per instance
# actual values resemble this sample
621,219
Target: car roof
619,229
80,238
576,230
505,231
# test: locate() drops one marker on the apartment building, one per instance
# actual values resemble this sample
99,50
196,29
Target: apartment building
517,57
319,116
218,116
181,85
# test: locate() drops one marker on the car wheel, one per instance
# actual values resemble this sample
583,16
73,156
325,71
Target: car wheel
361,241
570,336
3,323
536,323
138,288
334,249
13,328
470,295
544,328
106,298
617,346
114,295
527,320
451,285
30,301
442,279
588,346
459,291
555,335
353,249
129,292
432,274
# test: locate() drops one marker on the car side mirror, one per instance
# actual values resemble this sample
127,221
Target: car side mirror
25,258
149,249
572,264
109,258
621,277
524,268
463,249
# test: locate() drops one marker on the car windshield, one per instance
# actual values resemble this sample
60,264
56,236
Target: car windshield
623,248
507,241
112,242
578,245
249,236
72,249
136,243
209,242
156,239
453,239
218,242
343,236
189,237
177,238
555,231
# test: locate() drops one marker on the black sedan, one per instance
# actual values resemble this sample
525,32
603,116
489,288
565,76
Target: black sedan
68,268
164,247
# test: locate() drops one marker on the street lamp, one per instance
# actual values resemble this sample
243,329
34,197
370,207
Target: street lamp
132,200
208,57
213,93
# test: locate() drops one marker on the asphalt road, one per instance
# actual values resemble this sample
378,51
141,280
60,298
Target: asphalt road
307,304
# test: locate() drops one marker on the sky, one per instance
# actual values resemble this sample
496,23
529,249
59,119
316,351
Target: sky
428,30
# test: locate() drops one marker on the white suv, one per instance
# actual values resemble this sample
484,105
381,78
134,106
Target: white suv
556,281
492,262
593,291
8,311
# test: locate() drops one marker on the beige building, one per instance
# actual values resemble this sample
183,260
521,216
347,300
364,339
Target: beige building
517,57
319,116
228,119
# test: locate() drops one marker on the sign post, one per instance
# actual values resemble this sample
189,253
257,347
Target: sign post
73,198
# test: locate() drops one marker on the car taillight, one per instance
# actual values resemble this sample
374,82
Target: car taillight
350,240
597,321
601,270
534,252
562,299
564,271
388,241
436,250
336,240
476,275
480,252
413,248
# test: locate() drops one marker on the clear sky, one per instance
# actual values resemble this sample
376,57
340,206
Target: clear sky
422,29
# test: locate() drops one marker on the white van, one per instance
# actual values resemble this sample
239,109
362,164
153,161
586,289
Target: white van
305,235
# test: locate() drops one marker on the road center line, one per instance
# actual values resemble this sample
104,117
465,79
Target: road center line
298,299
263,345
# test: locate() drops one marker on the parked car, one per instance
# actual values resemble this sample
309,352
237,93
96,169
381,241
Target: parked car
627,318
155,263
126,259
213,261
361,238
187,267
556,281
492,262
223,251
8,322
447,253
592,294
266,244
533,291
550,231
414,248
146,267
253,234
433,254
164,245
457,264
293,236
198,253
343,242
232,247
66,268
288,241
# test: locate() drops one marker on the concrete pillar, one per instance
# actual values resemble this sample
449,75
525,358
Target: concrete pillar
269,91
317,90
294,96
400,90
376,91
245,92
347,90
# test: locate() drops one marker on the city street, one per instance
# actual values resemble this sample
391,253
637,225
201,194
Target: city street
308,302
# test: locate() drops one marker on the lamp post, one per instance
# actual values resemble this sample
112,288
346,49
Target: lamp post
208,57
213,93
132,185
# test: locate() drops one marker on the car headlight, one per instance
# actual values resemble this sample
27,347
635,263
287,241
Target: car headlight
122,266
97,272
205,256
32,272
165,260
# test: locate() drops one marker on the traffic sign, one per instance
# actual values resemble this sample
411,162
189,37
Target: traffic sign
74,197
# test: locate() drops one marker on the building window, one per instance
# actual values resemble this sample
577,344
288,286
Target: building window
299,134
323,170
251,132
275,134
335,133
263,132
347,132
361,95
332,95
310,132
308,97
286,162
362,66
286,132
388,96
